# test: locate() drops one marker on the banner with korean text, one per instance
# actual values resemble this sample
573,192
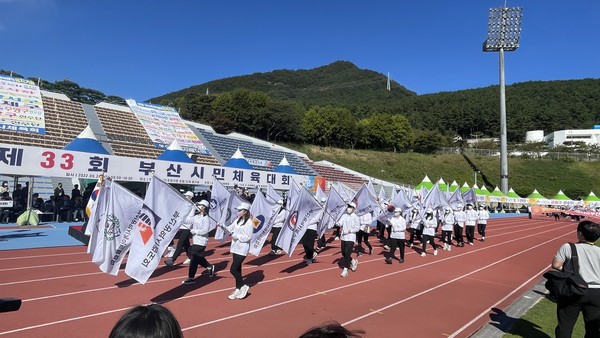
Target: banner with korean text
36,161
21,107
163,125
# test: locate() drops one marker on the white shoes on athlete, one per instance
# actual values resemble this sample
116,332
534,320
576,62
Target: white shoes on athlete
187,261
240,293
344,272
354,265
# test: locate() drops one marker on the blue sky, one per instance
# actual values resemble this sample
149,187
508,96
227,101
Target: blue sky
142,49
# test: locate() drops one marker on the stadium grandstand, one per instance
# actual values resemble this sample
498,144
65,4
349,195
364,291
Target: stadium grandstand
121,133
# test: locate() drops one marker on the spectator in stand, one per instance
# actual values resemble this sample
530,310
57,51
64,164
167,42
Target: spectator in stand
59,192
75,192
5,212
78,209
147,321
63,209
36,201
16,197
4,188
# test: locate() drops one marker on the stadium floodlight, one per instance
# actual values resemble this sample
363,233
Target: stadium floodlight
504,32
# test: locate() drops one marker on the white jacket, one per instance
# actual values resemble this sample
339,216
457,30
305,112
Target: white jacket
188,222
483,216
241,235
460,217
398,225
280,219
365,222
349,226
448,222
472,217
429,226
200,229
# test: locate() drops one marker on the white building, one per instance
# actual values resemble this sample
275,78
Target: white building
588,136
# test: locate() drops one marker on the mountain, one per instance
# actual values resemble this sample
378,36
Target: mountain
340,83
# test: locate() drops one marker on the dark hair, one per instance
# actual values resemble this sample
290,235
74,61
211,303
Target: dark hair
589,230
244,219
147,321
331,330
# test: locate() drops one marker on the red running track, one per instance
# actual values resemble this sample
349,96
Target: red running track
448,295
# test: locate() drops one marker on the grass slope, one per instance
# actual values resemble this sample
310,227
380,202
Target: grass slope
548,176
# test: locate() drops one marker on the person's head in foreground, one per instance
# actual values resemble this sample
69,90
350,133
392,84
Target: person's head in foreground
331,330
588,231
147,321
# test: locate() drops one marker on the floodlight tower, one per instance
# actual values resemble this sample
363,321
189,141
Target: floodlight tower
504,31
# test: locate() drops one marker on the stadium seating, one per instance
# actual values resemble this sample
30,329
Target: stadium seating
335,175
226,147
64,120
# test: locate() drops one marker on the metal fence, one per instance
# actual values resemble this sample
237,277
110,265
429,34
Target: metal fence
518,153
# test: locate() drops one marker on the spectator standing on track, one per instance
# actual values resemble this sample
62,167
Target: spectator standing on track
364,232
471,218
482,218
184,236
447,225
241,232
147,321
567,309
429,226
277,224
200,229
349,226
460,217
397,236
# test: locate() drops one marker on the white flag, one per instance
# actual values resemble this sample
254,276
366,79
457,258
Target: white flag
435,199
371,188
382,195
294,193
469,196
273,195
157,223
228,215
90,207
263,214
365,201
319,194
115,226
305,210
334,207
455,199
219,196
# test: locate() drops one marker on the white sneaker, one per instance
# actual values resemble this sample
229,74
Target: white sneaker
423,254
314,257
243,292
187,261
344,272
235,294
170,252
353,265
470,243
435,252
337,238
279,252
449,247
386,247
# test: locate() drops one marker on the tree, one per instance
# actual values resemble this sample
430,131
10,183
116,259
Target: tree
385,131
245,108
427,141
330,126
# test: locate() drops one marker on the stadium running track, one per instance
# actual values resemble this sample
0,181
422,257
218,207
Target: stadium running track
448,295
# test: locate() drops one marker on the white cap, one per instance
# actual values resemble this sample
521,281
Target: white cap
243,206
429,210
323,199
280,202
203,202
448,208
189,194
352,205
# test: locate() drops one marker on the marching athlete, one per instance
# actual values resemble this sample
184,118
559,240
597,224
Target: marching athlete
200,229
397,236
